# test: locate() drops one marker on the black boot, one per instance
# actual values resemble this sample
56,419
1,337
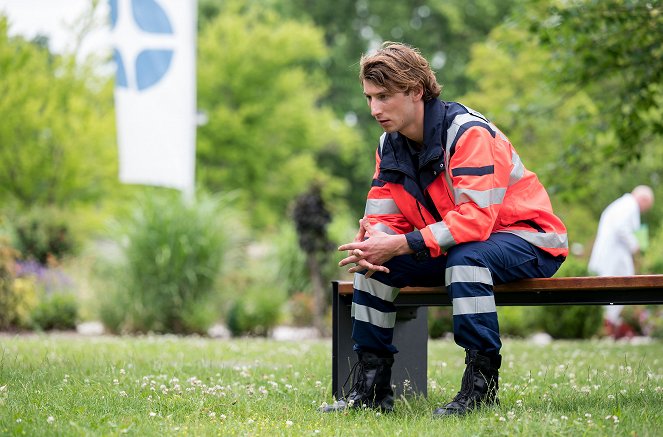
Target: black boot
479,385
371,388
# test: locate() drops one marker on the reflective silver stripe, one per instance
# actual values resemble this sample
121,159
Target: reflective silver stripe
549,240
467,274
373,316
381,206
384,228
442,235
382,138
375,288
456,124
499,132
518,169
483,199
474,305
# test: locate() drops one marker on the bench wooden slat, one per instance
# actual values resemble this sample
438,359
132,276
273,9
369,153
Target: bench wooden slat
590,283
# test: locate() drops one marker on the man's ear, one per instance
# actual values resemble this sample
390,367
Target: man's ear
417,93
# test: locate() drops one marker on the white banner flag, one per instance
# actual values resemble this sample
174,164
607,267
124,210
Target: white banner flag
155,90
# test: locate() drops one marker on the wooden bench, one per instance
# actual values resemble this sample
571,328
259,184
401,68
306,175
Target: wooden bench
411,331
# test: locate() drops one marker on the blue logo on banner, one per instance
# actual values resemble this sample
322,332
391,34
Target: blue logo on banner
151,65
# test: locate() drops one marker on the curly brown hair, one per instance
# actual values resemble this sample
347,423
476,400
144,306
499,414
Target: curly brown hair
398,67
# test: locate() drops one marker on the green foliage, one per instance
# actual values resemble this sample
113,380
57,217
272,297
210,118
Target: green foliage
518,321
590,39
260,82
55,311
8,297
652,260
575,321
43,235
573,266
56,127
440,321
255,312
300,308
291,260
173,254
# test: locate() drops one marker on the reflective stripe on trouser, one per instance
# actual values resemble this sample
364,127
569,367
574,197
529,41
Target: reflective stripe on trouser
373,314
469,271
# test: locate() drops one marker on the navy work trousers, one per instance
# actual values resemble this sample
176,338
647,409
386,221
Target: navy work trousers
468,270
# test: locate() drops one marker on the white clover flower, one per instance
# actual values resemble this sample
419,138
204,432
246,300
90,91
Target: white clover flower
122,372
123,394
564,418
318,384
502,419
222,417
212,414
611,397
50,419
288,423
152,414
588,415
250,421
19,420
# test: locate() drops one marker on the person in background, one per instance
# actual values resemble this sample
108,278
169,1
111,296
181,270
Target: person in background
451,203
617,242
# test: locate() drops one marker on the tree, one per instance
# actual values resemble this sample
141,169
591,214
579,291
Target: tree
260,82
611,50
56,132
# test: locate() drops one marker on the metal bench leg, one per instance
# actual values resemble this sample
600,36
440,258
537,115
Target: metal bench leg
409,373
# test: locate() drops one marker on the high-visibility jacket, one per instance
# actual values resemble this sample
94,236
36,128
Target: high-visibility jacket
464,184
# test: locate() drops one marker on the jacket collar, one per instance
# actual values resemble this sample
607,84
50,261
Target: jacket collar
434,112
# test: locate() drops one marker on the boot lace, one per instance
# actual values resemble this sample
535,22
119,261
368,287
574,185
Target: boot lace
466,386
358,377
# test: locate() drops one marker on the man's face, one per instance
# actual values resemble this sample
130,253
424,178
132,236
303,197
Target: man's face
394,111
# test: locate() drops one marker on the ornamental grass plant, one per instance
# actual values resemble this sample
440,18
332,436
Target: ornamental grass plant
170,385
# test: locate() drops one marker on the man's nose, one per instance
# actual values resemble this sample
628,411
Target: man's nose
376,108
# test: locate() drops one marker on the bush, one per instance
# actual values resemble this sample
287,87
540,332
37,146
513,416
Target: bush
255,313
173,252
440,321
518,321
27,298
56,311
571,321
8,297
301,309
43,235
574,321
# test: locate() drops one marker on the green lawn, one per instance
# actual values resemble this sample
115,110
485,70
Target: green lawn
70,385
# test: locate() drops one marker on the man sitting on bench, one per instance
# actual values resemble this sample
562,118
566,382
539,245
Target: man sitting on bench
451,204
